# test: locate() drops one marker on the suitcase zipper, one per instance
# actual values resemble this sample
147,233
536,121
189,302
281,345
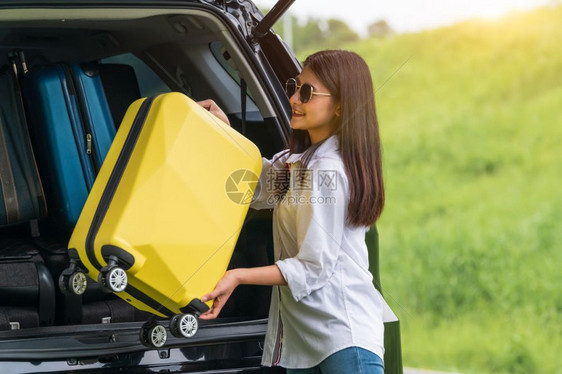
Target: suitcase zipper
115,178
84,120
78,129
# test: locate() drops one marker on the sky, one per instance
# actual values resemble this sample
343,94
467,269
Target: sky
405,15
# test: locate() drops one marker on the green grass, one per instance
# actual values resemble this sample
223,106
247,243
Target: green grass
471,125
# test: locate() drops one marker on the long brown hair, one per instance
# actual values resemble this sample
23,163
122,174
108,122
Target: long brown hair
347,77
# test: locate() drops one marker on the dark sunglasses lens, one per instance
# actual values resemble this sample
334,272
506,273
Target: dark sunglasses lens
290,87
306,93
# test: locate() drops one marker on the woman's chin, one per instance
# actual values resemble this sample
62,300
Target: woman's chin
295,125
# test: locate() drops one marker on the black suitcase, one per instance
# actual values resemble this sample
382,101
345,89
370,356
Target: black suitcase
94,306
21,192
27,289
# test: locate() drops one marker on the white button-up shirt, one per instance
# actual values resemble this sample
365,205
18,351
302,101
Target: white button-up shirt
330,302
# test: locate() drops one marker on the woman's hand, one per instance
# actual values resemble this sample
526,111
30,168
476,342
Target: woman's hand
262,276
221,293
212,107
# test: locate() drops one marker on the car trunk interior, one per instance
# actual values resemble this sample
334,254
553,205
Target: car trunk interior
188,50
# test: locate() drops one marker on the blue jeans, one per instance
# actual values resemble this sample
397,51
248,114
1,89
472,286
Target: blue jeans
352,360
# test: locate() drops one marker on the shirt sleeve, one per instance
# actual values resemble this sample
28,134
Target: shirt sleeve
320,220
265,195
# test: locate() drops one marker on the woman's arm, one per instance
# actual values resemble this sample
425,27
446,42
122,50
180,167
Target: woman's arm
260,276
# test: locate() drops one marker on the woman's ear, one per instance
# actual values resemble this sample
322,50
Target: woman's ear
338,110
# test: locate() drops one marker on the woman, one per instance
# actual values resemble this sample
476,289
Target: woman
326,191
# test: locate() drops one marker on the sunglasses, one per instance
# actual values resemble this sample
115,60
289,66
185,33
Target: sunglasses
305,90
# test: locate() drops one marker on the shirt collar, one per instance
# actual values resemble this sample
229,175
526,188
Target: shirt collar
330,145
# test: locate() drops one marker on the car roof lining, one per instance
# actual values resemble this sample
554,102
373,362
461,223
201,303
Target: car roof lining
87,28
95,33
97,14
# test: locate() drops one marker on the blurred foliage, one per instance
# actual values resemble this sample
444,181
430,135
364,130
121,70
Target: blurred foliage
317,33
470,239
380,29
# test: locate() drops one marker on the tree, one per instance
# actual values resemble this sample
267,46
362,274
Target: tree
318,34
379,29
308,35
339,33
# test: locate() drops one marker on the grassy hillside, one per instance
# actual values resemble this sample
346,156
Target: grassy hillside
471,257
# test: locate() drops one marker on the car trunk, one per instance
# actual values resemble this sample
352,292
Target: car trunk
138,51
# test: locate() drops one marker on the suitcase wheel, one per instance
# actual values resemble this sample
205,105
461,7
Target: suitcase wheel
153,335
73,282
183,325
112,279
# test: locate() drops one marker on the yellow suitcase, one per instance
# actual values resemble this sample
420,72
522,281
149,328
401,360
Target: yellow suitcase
165,212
